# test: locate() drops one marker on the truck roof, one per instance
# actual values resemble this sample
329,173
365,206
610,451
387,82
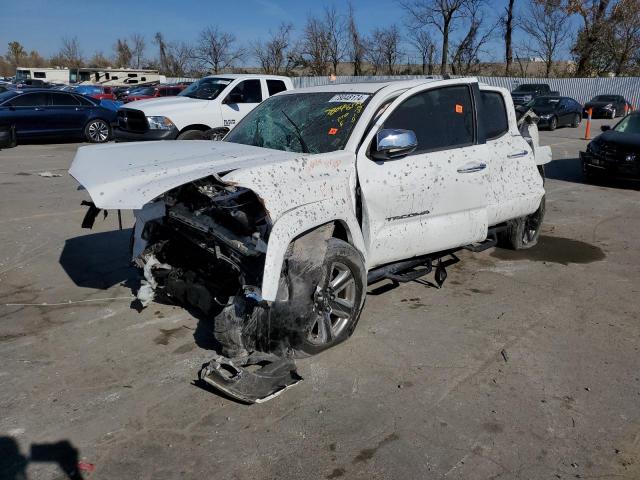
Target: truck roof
364,87
247,75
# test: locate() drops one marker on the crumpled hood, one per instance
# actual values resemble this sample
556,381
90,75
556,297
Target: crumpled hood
160,106
129,175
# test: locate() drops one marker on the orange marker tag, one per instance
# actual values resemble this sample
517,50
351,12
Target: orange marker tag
459,108
333,131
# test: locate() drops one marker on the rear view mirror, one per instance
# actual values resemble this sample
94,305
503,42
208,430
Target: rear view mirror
604,128
394,143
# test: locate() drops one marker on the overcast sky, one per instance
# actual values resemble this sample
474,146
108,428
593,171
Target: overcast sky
40,24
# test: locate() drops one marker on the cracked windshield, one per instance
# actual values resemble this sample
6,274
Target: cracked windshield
303,123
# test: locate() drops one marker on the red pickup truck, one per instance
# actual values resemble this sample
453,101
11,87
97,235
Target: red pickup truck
145,93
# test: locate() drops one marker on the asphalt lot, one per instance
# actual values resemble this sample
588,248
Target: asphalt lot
524,365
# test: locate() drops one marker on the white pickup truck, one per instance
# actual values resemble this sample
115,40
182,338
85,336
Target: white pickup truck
277,230
208,108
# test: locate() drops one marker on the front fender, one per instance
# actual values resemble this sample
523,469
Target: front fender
294,223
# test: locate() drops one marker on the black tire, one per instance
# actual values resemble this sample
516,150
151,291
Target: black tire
576,121
342,255
216,134
553,123
97,131
523,232
192,135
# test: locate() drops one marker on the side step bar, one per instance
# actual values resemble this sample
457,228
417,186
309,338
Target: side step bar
490,242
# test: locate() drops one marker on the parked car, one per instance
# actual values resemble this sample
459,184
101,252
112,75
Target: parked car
32,83
212,104
616,151
98,92
528,91
606,106
38,113
554,111
145,93
313,195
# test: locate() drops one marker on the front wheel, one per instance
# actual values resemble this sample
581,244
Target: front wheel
553,123
337,300
191,135
523,232
97,131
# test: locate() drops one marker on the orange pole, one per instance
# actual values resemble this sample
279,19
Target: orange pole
587,133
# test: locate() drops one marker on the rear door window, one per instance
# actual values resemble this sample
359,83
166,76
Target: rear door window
441,118
63,100
275,86
493,115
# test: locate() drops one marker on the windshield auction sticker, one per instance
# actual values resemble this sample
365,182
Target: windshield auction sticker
349,98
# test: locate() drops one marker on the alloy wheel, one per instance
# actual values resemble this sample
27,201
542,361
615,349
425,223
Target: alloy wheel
98,131
334,305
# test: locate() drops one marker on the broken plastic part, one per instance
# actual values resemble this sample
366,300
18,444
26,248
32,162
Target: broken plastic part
255,378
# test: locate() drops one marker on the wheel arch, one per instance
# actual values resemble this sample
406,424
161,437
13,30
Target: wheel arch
195,126
297,224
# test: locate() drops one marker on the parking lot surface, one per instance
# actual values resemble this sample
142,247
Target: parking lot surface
524,365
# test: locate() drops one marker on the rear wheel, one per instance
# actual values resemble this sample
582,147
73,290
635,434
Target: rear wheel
523,232
576,121
97,131
192,135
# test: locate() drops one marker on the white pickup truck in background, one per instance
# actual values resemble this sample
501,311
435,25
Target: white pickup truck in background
208,108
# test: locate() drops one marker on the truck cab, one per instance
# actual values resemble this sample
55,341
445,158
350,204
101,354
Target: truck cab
208,108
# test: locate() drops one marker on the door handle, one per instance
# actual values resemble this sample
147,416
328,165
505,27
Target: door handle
472,167
522,153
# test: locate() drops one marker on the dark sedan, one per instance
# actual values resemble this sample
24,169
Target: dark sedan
554,111
38,113
606,106
615,152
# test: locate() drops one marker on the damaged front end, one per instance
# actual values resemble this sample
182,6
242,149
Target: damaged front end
203,246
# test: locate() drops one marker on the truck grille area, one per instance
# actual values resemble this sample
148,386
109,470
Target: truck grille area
132,120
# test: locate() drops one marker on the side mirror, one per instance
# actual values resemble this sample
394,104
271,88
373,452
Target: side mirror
394,143
604,128
234,97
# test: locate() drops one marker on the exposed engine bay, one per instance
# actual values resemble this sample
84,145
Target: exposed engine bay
203,246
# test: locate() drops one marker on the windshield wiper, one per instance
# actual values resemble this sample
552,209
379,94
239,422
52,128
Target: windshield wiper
303,144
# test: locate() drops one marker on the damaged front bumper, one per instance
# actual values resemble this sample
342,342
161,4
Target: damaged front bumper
255,378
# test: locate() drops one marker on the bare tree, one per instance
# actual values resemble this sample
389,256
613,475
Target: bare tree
547,26
138,45
374,53
441,14
216,50
123,53
314,47
355,43
162,47
421,40
507,23
98,60
335,33
70,52
622,38
594,17
466,57
16,54
274,55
